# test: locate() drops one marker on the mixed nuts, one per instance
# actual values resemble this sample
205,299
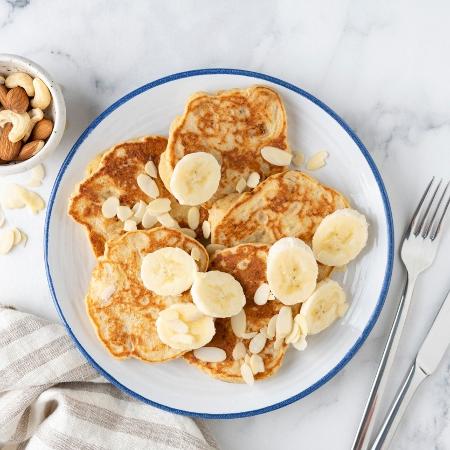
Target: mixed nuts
23,127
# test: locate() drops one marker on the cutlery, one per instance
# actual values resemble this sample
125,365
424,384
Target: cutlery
418,251
426,362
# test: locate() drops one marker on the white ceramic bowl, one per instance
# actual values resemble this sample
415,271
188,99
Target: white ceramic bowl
56,111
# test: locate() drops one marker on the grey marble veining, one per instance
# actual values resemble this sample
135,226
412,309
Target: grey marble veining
383,66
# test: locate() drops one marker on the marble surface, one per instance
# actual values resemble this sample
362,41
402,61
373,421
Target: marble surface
383,66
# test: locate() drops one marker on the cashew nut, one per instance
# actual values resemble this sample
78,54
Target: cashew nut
20,124
42,97
35,116
20,79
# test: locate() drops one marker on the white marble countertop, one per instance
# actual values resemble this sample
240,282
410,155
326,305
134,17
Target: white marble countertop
383,66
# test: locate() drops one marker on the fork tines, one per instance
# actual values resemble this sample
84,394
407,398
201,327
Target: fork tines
431,210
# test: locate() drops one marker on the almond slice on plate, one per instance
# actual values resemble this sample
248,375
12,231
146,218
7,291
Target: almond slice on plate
210,354
206,229
258,343
247,374
193,217
6,241
262,294
159,206
239,323
239,351
109,207
124,213
147,185
150,169
276,156
317,161
253,180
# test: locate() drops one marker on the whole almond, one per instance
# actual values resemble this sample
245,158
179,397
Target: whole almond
42,130
29,150
17,100
8,149
3,94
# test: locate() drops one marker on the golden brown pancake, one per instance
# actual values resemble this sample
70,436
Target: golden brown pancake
233,126
121,309
115,175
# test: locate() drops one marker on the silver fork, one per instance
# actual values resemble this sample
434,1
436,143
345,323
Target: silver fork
418,251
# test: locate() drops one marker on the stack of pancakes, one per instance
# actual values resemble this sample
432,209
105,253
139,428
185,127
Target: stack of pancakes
233,126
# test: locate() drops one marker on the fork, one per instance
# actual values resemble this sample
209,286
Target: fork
418,252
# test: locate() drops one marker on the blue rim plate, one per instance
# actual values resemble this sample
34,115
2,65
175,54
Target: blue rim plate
388,223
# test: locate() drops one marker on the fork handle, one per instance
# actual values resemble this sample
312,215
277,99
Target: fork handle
410,384
371,410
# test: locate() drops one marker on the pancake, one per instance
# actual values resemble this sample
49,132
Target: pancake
121,309
115,174
285,204
233,126
247,263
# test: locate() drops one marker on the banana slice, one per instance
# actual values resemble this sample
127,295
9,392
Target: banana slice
168,271
217,294
291,270
340,237
183,327
327,304
195,178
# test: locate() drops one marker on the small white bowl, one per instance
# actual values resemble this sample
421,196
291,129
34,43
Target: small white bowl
56,111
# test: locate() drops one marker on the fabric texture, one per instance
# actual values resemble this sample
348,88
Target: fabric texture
51,398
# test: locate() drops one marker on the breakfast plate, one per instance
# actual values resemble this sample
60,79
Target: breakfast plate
176,386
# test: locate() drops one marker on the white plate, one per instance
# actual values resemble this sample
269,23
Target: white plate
176,386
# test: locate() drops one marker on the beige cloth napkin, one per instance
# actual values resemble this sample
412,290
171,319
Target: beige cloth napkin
51,398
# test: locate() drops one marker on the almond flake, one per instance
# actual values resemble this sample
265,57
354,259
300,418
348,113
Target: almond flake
239,323
294,335
317,161
17,236
139,210
189,232
213,248
130,225
109,207
193,217
301,344
256,364
147,185
278,343
196,254
148,221
271,327
258,343
247,374
298,159
24,239
253,180
166,220
178,326
276,156
14,196
241,185
2,217
37,175
239,351
159,206
150,169
206,229
210,354
262,294
284,322
6,241
124,213
249,335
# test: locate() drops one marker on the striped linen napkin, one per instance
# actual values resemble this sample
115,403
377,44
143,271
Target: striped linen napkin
51,398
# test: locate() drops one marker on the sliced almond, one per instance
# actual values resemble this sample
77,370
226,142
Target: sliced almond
196,254
150,169
284,322
256,364
253,180
249,335
159,206
24,239
213,248
166,220
278,343
210,354
247,374
129,225
139,210
206,229
258,343
189,232
14,196
271,327
147,185
6,241
298,159
37,175
193,217
148,221
301,344
124,213
262,294
239,323
317,161
239,351
294,335
17,236
247,359
241,185
109,207
276,156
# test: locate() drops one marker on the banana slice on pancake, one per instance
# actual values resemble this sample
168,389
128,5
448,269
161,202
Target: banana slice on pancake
195,178
291,270
340,237
326,304
168,271
217,294
183,327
